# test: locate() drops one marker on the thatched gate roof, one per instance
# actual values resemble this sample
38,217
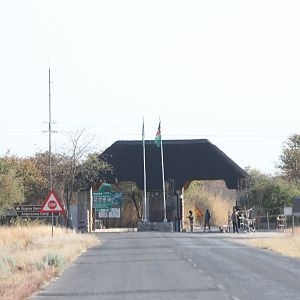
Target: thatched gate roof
184,161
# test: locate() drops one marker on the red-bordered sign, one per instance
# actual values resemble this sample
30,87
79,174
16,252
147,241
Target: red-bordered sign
52,204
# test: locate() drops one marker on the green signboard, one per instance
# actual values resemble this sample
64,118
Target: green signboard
102,205
105,198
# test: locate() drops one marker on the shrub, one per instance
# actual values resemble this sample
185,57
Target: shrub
51,260
6,263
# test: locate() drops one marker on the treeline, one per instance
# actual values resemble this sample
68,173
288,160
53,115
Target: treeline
26,180
271,193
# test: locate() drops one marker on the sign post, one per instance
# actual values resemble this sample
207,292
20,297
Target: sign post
90,210
52,205
295,210
52,224
107,204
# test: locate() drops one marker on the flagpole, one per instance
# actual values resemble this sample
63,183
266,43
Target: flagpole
145,186
163,178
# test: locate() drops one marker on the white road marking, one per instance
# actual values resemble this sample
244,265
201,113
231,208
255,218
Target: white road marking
195,265
235,298
221,287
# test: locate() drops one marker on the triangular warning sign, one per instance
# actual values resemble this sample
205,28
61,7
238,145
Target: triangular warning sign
52,204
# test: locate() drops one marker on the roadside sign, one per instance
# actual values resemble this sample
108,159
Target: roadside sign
31,211
102,200
288,211
103,213
113,213
296,206
106,199
52,204
102,205
106,202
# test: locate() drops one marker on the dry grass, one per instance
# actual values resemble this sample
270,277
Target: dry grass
213,195
29,257
286,244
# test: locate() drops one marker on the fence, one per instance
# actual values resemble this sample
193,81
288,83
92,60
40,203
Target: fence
252,223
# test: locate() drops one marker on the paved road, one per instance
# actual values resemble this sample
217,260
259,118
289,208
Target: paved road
153,265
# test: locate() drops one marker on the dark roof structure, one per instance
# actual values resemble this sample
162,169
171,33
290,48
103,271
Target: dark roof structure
184,161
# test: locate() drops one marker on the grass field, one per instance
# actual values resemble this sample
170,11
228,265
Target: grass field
212,195
286,244
30,257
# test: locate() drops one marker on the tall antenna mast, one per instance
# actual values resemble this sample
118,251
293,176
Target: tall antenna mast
50,158
50,131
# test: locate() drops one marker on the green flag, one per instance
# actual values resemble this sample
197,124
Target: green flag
158,136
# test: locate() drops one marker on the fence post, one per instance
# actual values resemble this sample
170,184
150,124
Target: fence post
268,221
293,223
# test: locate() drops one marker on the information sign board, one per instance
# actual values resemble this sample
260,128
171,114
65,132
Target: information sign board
288,211
105,198
31,211
107,203
296,206
114,212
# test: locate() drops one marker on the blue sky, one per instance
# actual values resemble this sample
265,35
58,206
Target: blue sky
227,71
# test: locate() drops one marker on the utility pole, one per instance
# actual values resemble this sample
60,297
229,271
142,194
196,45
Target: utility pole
50,158
50,131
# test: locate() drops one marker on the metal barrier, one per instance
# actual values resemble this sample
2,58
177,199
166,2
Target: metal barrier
248,224
281,222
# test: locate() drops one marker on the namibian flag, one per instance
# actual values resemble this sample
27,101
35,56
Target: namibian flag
158,136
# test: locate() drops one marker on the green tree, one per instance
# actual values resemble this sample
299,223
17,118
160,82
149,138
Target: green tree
73,168
290,158
60,172
33,180
269,193
11,187
91,171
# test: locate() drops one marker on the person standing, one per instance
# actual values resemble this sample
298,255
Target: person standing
191,218
234,221
207,219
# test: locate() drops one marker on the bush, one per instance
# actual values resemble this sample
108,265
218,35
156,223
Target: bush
25,222
268,193
6,264
51,260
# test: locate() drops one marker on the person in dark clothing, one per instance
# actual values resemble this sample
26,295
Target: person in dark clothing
238,217
191,218
234,221
206,220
